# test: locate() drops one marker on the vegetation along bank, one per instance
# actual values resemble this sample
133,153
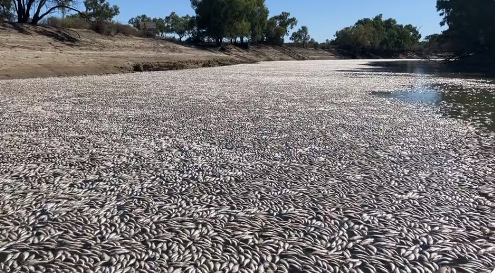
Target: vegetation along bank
63,34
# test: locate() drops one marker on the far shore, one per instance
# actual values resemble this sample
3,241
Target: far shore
39,52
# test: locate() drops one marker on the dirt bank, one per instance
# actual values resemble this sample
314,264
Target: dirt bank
27,51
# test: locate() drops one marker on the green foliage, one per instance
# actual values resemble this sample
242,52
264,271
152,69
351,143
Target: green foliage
225,19
471,25
278,27
313,43
101,27
240,25
212,16
219,18
100,10
378,35
435,43
326,45
258,19
240,19
181,26
6,10
301,36
195,34
33,11
70,21
161,27
136,21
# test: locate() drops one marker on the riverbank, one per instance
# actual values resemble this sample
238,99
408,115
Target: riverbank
480,64
31,52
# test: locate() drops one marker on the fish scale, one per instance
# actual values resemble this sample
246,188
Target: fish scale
259,169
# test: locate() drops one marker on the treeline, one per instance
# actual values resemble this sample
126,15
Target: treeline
471,28
243,21
376,35
35,11
471,25
215,20
234,20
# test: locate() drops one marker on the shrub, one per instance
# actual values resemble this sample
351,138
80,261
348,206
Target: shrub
51,22
114,28
69,22
102,27
125,29
147,34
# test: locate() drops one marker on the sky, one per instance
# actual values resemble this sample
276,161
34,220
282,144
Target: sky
322,17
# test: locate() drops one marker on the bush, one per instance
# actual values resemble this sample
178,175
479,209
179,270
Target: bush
104,28
113,28
147,34
125,29
69,22
51,22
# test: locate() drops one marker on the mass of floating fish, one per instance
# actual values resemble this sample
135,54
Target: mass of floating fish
271,167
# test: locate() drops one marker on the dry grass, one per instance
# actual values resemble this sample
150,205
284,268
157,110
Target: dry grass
104,28
69,22
69,47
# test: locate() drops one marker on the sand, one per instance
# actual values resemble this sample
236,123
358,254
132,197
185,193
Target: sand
28,51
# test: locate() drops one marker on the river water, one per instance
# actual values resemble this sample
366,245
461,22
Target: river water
270,167
475,104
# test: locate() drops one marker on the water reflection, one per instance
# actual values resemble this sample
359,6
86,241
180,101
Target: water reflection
415,67
429,96
424,67
476,105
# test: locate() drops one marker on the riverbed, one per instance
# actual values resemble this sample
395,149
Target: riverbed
314,166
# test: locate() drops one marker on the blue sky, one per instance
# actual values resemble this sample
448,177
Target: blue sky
322,17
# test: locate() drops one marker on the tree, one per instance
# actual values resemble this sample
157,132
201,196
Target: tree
222,18
278,27
24,9
240,29
315,44
258,19
181,26
213,17
6,10
377,36
136,21
195,34
171,22
436,43
239,25
160,26
64,10
301,36
471,25
100,10
274,34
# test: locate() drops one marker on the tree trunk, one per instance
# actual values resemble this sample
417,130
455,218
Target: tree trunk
22,14
242,40
36,19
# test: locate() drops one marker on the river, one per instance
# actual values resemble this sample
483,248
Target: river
475,104
274,167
